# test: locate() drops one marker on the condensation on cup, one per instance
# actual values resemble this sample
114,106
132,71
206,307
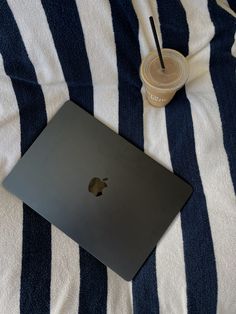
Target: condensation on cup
161,85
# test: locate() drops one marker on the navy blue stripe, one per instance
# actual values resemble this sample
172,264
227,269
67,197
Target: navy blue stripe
36,264
145,298
64,22
125,25
232,4
66,29
222,69
93,285
36,247
199,256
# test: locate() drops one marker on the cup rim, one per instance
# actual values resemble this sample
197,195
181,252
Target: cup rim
164,89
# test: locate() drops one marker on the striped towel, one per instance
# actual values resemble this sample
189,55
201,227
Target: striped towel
90,51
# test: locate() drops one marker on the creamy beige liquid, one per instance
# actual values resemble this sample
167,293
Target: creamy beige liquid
162,77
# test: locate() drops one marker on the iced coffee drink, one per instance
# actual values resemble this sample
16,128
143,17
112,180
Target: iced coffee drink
162,84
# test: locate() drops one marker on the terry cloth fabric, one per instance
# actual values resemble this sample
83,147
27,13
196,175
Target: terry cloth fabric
90,51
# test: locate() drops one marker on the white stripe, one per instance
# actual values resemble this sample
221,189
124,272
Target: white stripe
34,29
11,213
233,49
211,155
101,51
171,280
33,26
119,295
65,276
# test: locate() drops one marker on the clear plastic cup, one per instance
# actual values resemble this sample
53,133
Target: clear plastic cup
161,85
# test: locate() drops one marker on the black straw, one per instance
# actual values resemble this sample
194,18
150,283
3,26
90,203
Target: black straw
157,42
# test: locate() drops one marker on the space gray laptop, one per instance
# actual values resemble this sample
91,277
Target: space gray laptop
102,191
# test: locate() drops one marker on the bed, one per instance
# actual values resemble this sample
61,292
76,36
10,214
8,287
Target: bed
90,52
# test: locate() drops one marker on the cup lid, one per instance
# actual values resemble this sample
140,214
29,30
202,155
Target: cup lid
172,78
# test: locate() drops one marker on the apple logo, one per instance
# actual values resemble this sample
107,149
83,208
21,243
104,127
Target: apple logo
96,186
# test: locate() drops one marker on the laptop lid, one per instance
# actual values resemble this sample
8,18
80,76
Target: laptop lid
102,191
